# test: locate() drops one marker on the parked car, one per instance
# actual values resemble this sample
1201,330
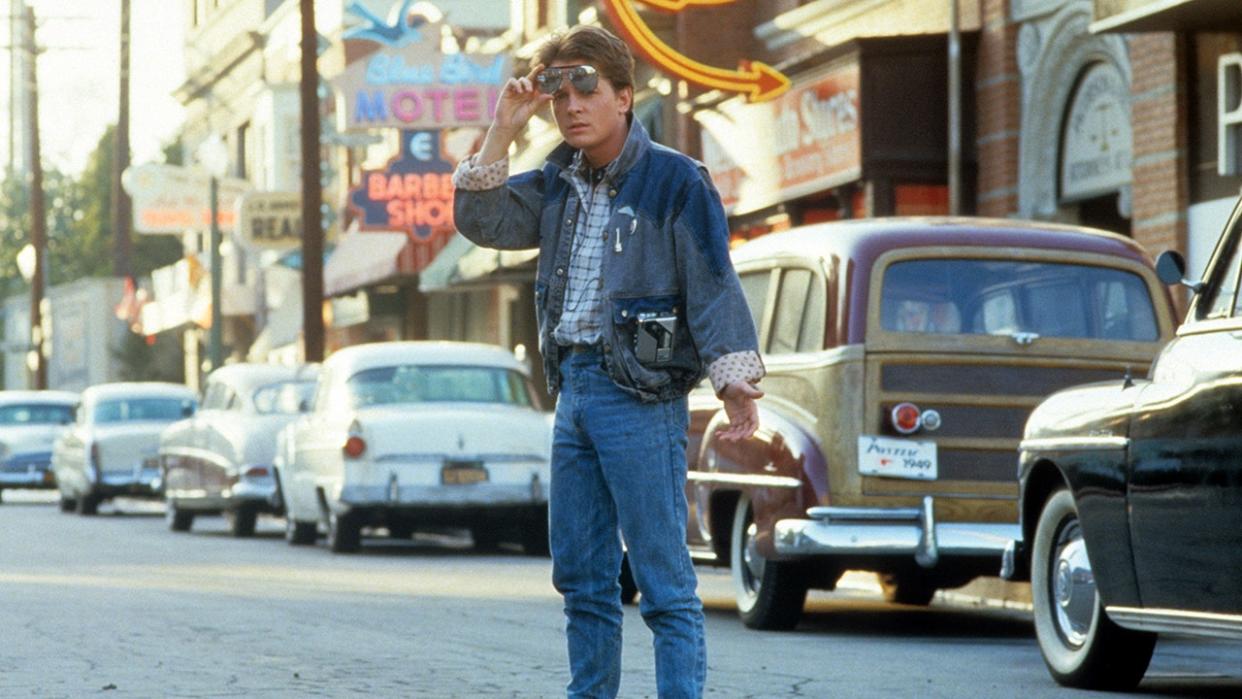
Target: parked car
1131,501
221,459
29,422
406,435
903,358
112,446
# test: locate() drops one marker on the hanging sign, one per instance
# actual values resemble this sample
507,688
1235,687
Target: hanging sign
414,193
406,82
174,199
270,220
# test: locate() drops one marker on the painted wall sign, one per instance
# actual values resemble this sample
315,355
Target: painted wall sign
270,220
174,199
408,83
758,81
1097,143
414,194
806,140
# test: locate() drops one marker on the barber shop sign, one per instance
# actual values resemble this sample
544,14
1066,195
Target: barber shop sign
414,193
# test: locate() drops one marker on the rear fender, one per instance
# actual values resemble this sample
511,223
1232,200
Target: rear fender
781,468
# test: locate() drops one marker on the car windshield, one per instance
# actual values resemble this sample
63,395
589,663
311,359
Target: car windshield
35,414
1003,297
285,398
137,409
438,384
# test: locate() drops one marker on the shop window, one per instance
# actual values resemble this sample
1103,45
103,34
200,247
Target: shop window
1229,114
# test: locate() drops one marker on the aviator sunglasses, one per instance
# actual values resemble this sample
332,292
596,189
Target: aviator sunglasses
584,79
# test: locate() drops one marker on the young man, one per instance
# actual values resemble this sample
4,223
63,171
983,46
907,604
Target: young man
637,300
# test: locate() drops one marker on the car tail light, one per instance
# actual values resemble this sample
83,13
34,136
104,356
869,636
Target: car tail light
905,417
257,472
355,446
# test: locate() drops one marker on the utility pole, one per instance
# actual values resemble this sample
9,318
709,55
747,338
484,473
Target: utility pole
312,192
38,214
955,112
121,206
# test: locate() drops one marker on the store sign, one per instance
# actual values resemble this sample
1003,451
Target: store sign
174,199
1096,152
270,220
806,140
410,84
414,194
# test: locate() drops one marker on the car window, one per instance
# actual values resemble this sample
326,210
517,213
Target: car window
137,409
36,414
999,297
285,398
798,323
435,384
1222,298
216,396
755,288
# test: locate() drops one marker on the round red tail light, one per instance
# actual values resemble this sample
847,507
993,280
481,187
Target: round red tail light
905,417
354,446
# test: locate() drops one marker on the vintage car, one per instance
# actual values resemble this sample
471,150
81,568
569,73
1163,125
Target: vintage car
903,358
407,435
29,422
1131,495
112,446
220,460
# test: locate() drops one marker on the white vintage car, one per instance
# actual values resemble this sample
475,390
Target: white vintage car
111,448
220,460
407,435
29,422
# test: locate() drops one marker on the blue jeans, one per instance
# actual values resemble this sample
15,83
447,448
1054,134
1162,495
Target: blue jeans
619,464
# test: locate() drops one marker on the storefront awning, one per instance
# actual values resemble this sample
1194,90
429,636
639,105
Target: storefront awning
362,258
461,262
1167,15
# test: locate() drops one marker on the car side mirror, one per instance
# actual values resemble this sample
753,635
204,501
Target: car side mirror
1171,268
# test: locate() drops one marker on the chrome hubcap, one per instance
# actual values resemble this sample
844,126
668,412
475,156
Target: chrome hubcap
752,559
1073,586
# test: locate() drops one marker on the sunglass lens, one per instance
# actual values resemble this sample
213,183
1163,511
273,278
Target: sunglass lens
584,80
549,81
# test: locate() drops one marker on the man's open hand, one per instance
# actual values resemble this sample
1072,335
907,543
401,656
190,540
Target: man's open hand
739,402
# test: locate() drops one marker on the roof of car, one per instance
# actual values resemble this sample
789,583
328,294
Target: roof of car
862,240
136,389
376,354
247,376
27,397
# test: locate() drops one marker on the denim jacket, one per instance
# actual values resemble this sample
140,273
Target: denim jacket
673,259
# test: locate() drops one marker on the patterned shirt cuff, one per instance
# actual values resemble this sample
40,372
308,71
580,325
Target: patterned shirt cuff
736,366
475,178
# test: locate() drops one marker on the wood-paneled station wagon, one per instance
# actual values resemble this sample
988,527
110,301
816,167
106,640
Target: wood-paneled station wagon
903,358
1131,502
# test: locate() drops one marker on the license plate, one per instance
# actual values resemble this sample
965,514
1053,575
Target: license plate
463,473
896,458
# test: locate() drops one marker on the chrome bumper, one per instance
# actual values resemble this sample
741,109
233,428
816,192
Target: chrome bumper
399,496
890,531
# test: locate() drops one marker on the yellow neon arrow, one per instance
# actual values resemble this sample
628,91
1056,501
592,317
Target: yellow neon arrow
679,5
758,81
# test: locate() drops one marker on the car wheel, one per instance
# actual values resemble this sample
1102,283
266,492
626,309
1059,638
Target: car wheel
629,588
178,519
300,533
241,520
344,533
534,536
1081,646
770,594
907,588
400,530
67,504
87,504
486,537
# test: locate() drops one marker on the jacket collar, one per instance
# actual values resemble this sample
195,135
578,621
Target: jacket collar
637,143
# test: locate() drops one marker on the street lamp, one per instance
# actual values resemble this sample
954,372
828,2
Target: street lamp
213,155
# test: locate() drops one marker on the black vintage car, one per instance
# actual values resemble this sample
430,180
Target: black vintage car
1131,495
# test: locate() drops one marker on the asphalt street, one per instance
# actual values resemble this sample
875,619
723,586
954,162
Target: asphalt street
118,606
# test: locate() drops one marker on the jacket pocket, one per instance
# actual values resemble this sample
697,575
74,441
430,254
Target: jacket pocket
626,315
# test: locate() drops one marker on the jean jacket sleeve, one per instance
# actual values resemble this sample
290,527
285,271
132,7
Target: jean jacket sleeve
504,217
716,311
